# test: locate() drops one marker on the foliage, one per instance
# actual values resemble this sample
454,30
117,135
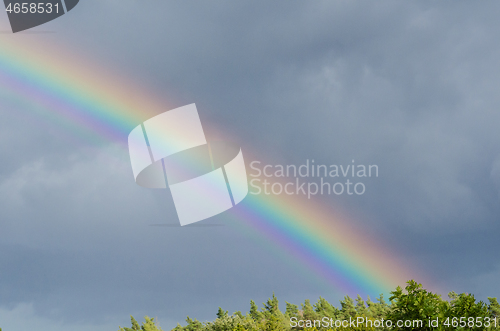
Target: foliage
291,310
493,308
417,304
324,308
413,304
148,325
465,305
254,311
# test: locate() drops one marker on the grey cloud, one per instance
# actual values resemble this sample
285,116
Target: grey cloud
411,87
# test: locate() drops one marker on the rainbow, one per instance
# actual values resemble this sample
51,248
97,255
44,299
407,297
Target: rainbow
71,93
325,242
97,105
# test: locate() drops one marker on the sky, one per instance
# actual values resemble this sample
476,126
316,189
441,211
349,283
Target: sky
411,87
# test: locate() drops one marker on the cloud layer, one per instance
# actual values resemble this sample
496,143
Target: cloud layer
411,87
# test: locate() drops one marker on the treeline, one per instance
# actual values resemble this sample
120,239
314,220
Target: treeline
413,308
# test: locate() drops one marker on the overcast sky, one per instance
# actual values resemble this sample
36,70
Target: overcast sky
409,86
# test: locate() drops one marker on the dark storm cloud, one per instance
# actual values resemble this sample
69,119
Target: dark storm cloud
411,87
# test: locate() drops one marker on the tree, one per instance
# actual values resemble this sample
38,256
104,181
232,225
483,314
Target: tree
453,296
493,308
254,311
274,317
135,325
384,307
411,304
239,314
360,306
231,323
377,309
308,312
271,306
464,306
148,325
348,309
494,311
291,310
371,306
274,323
324,308
221,313
417,304
193,325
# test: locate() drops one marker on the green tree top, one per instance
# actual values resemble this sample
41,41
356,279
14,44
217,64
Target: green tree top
361,306
494,308
409,304
308,311
325,308
254,311
148,325
291,310
221,313
416,304
348,309
271,306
